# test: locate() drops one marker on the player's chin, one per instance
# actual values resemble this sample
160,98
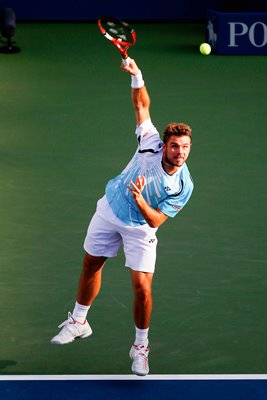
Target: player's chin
178,162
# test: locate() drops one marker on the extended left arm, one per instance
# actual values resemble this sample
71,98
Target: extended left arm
153,217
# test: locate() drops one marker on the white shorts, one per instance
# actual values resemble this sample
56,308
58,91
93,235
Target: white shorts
106,233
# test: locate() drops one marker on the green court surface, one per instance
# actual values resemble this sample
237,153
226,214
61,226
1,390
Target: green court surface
67,126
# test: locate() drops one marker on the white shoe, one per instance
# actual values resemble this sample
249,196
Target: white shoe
71,330
139,355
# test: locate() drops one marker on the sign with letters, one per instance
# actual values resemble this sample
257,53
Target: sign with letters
237,33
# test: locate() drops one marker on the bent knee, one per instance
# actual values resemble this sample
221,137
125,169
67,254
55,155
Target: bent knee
93,263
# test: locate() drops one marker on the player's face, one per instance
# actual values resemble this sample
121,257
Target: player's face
176,151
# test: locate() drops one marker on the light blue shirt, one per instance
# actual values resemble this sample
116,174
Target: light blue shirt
168,193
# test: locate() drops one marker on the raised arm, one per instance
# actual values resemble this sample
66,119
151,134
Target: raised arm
140,97
141,104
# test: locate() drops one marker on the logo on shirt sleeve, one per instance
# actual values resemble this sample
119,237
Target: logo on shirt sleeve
177,207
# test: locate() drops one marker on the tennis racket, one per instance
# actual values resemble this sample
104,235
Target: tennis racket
120,33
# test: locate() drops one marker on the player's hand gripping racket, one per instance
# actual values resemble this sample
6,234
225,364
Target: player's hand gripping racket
119,33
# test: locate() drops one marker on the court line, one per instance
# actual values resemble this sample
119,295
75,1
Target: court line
132,377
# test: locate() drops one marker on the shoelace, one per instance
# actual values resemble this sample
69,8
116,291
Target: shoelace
142,352
70,320
139,347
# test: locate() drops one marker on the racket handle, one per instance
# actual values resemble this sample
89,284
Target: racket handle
126,61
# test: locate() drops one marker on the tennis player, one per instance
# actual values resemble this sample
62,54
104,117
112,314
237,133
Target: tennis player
155,185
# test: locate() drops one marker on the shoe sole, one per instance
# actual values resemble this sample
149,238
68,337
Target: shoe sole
140,374
84,336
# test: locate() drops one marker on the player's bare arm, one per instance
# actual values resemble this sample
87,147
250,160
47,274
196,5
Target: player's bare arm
140,96
141,103
153,217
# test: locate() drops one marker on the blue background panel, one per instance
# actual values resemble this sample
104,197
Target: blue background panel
135,389
237,32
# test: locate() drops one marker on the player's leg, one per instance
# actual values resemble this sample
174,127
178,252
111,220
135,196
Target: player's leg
142,286
102,240
89,285
90,279
140,245
142,308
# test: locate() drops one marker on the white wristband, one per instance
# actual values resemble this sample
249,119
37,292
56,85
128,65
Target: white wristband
137,81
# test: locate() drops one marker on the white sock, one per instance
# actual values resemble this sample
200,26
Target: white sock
80,312
141,337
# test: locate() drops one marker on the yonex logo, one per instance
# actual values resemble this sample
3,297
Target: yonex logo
151,240
167,188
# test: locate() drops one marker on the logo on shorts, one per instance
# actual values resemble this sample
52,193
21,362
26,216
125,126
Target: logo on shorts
151,240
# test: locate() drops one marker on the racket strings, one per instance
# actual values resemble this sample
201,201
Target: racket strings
118,31
118,34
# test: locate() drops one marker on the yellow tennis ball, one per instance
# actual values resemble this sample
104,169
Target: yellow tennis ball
205,49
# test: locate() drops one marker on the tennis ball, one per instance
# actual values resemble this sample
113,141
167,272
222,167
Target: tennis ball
205,49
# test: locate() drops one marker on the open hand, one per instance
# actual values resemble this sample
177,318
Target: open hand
137,187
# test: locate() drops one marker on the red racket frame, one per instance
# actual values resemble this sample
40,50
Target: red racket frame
121,45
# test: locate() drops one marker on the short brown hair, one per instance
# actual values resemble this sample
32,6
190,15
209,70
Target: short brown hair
177,129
